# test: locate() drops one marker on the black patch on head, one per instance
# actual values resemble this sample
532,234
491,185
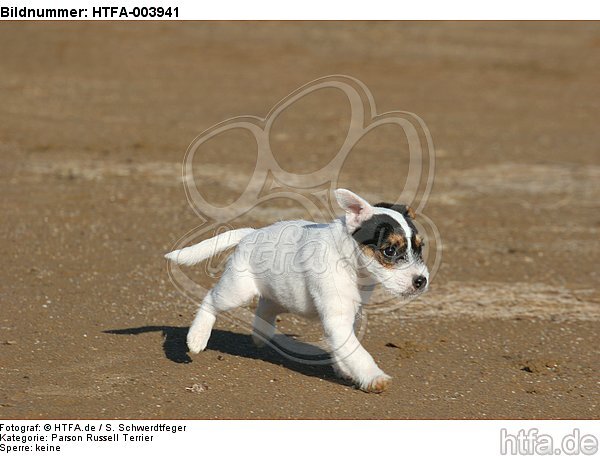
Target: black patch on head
402,209
376,230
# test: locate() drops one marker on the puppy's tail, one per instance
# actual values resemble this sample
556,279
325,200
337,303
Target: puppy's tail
205,249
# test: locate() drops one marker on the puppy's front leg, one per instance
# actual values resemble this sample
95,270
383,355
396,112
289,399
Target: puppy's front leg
350,356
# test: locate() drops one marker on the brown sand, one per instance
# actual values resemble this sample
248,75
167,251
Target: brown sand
94,122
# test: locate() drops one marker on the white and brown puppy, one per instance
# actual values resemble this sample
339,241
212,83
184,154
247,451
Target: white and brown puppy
317,271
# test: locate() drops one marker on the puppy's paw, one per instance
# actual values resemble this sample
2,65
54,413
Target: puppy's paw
258,340
197,340
378,384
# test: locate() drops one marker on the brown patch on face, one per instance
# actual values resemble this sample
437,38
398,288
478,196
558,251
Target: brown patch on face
410,212
417,244
396,240
393,240
377,255
418,241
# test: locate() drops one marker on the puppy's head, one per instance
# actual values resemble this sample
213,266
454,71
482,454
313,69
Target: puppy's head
389,243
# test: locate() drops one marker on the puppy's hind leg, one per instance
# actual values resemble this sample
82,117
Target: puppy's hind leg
264,321
231,292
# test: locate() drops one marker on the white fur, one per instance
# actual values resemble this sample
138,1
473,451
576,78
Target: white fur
305,268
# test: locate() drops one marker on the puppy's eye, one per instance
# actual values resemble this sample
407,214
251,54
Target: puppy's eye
390,252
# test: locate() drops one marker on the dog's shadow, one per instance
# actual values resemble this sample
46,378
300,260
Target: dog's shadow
228,342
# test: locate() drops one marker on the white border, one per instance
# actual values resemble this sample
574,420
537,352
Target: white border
302,438
350,9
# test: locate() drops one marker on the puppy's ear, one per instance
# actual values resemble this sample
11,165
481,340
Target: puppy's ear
357,209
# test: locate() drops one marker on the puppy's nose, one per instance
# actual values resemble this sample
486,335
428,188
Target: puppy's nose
419,282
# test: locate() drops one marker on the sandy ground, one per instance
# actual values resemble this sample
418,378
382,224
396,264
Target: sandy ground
95,120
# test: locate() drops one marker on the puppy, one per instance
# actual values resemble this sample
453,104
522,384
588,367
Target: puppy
323,271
